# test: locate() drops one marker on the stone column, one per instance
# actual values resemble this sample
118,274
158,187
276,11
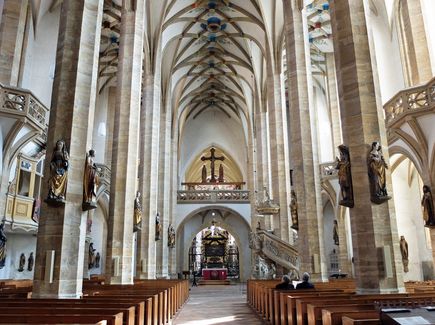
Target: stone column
63,229
374,229
125,145
301,147
280,176
414,42
148,175
12,26
334,106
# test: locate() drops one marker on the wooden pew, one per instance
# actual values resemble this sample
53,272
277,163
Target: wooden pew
334,315
61,319
360,319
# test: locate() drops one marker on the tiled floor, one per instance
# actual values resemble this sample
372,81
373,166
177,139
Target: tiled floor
209,305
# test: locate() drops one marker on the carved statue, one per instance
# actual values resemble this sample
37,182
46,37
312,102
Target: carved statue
335,233
158,227
204,174
377,174
3,241
254,241
428,207
22,262
97,260
30,262
221,174
91,256
266,195
294,211
404,252
171,236
345,177
137,213
57,182
90,182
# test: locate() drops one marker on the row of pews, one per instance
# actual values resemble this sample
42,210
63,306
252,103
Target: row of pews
333,302
150,302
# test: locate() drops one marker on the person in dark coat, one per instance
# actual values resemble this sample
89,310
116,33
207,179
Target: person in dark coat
305,284
285,284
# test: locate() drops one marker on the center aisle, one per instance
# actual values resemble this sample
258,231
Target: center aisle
224,304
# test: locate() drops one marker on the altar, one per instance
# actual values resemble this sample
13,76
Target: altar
214,274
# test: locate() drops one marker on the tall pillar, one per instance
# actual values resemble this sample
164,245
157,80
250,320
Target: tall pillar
62,230
334,106
280,175
414,42
12,26
301,147
374,230
148,175
125,145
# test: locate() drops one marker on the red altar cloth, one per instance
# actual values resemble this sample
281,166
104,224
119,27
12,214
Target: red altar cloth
214,274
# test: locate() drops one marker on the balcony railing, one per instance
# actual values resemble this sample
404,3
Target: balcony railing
328,170
413,99
213,196
22,103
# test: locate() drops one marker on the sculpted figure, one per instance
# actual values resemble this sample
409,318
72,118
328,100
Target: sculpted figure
97,260
404,252
294,211
3,241
204,174
57,182
91,256
90,182
171,236
345,177
22,262
158,227
266,195
221,173
428,207
335,233
137,213
30,262
377,174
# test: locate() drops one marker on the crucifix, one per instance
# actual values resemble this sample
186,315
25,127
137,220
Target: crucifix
212,159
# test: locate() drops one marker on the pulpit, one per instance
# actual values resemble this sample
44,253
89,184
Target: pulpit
215,274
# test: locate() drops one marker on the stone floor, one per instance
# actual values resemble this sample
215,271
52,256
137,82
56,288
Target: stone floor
209,305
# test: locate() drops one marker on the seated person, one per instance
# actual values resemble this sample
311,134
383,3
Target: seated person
305,284
285,284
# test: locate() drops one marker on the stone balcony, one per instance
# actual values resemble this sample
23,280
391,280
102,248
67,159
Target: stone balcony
213,196
21,104
415,100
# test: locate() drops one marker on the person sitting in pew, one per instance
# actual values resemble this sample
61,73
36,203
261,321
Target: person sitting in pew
305,284
285,284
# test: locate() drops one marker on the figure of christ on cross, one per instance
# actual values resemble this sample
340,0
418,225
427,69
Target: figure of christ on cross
212,159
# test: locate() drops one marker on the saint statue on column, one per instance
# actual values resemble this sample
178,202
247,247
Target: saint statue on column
377,174
90,182
404,252
171,236
3,241
30,262
57,182
345,177
335,233
294,211
137,213
91,256
428,207
22,262
158,227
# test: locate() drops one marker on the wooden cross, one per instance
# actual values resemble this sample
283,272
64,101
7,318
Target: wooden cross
212,159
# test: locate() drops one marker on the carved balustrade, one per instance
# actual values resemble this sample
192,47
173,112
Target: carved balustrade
328,170
213,196
22,103
279,251
415,99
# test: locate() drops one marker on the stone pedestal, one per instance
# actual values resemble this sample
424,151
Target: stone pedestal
374,230
62,229
119,268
